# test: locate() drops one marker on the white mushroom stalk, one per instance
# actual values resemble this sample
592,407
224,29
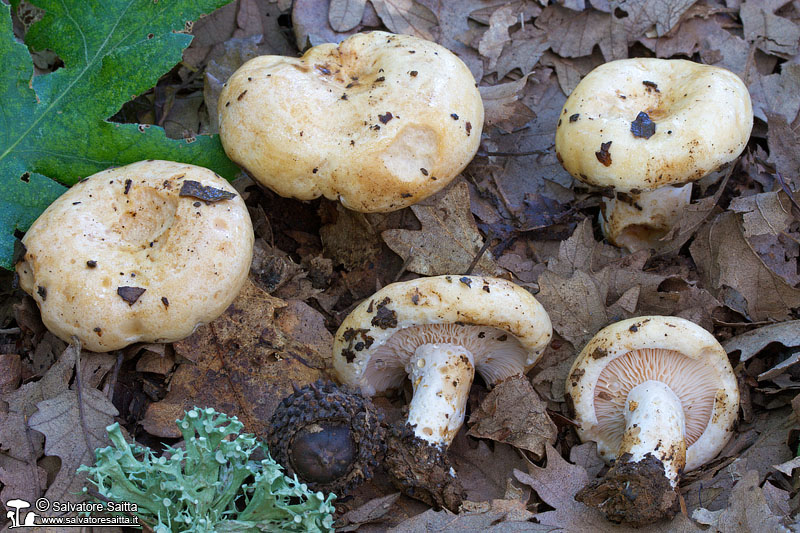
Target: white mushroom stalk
659,397
441,375
637,220
641,125
655,425
438,332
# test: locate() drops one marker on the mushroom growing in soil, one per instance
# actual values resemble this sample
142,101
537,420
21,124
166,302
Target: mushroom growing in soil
438,332
330,436
379,121
658,396
141,253
648,128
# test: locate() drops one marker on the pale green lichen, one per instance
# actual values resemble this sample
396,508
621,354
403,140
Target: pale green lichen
222,481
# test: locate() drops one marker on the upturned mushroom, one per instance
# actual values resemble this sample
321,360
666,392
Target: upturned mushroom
145,252
438,332
648,128
658,396
379,121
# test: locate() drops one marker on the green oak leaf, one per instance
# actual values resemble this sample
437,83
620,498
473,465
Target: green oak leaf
55,127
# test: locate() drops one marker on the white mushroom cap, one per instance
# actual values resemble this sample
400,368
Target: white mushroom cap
702,115
380,121
124,257
671,350
500,323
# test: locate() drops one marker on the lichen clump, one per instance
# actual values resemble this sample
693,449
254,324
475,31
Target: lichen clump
222,481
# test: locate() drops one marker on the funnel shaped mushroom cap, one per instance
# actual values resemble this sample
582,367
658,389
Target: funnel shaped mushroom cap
124,256
672,350
502,324
380,121
702,115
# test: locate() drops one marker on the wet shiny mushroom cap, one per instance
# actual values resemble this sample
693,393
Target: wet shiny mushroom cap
640,124
670,350
141,253
500,323
379,121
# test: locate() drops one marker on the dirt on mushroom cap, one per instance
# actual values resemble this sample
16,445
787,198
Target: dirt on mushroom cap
369,122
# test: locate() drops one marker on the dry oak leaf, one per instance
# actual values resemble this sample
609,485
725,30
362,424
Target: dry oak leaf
344,15
643,14
501,516
449,239
783,141
495,38
243,363
771,33
558,482
502,105
523,52
513,413
747,510
73,435
734,273
755,340
408,17
576,34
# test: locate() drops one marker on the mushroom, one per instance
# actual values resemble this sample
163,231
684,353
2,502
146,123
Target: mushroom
329,436
647,128
379,122
437,332
145,252
658,396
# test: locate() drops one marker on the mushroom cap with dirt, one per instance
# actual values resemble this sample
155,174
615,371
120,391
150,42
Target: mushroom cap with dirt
141,253
438,331
648,127
379,121
659,397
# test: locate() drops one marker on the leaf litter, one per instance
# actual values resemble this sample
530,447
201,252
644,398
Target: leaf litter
731,265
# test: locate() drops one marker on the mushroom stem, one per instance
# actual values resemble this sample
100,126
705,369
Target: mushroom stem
441,375
654,424
639,220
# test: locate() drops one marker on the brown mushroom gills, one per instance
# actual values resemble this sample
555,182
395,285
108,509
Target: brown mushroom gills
693,381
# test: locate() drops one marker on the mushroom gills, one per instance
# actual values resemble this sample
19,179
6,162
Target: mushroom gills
655,425
441,375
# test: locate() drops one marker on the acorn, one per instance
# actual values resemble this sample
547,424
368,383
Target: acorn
330,436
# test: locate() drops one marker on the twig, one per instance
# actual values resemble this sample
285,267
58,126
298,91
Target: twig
486,153
111,384
76,343
788,191
405,265
10,331
486,243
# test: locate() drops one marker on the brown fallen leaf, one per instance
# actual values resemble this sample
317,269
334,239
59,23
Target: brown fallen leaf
449,239
576,34
558,482
576,305
407,16
10,372
372,511
492,521
502,105
513,413
349,239
747,510
73,427
783,141
344,15
771,33
243,363
641,15
495,38
734,273
523,52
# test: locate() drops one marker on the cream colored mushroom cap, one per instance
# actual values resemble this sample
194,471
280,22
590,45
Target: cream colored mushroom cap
460,301
129,227
703,361
380,121
703,118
